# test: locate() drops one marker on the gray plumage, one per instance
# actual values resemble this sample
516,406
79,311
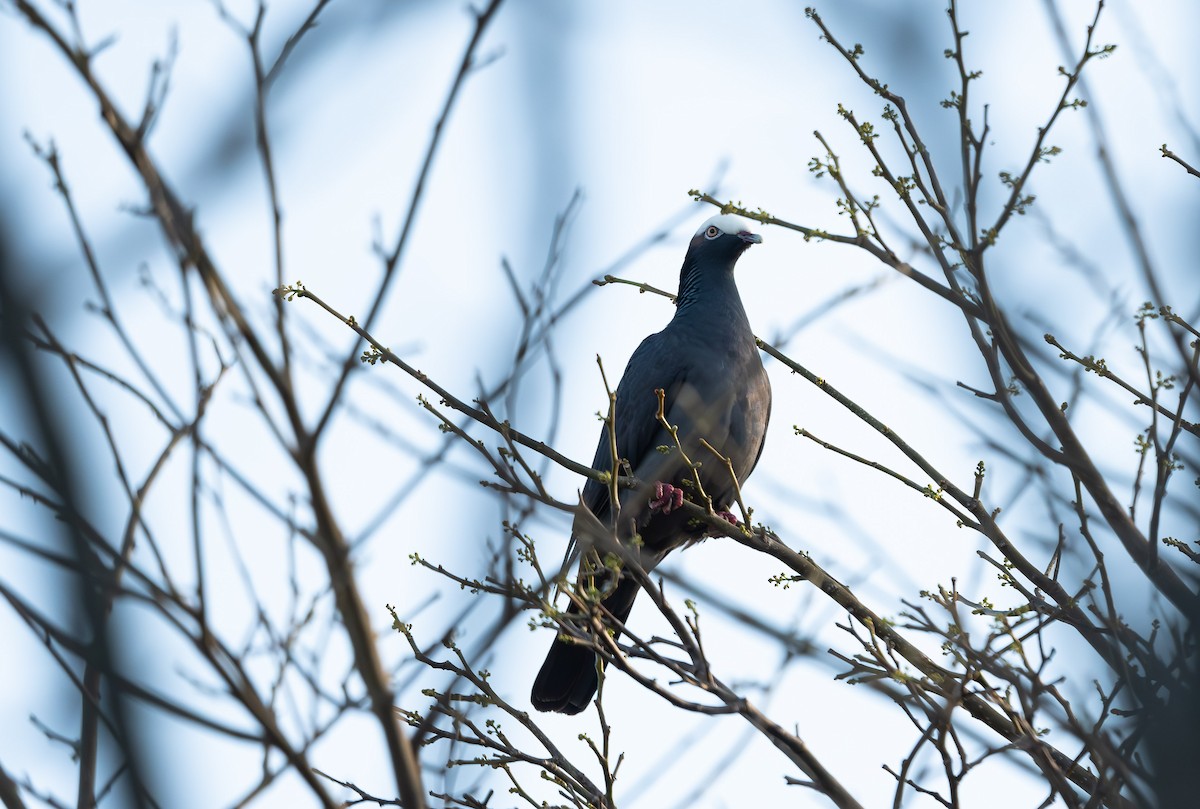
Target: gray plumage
716,389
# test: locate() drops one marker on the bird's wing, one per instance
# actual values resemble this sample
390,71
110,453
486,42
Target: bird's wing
761,409
638,432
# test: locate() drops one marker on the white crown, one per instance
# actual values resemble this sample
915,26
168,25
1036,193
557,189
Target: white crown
726,223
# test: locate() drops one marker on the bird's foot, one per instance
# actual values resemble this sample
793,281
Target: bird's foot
666,498
728,517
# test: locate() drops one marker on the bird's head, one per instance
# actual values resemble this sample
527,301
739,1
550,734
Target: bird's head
712,254
725,236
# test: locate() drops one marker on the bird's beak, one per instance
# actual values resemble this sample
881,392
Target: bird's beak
749,238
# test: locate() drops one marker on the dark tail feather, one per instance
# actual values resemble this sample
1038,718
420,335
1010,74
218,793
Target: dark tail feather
569,677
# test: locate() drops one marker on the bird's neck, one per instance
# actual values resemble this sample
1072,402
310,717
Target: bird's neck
713,293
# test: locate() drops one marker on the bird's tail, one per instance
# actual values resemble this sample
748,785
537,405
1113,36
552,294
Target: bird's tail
571,672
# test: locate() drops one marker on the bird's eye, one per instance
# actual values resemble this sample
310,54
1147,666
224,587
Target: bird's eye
712,232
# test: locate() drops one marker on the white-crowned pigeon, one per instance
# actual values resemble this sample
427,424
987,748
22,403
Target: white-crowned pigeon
717,391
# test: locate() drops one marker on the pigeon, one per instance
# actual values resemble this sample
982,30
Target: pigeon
716,390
